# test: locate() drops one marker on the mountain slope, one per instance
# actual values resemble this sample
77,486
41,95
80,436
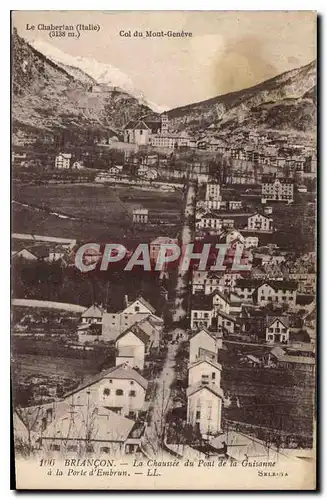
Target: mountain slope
91,70
48,98
286,101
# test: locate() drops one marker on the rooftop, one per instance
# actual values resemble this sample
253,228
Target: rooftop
116,372
217,391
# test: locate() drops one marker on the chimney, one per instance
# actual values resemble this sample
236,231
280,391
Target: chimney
126,300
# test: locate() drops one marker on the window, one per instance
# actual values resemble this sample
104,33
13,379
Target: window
119,392
141,132
72,447
213,375
110,381
136,308
206,315
132,382
198,415
105,449
89,448
132,394
195,315
106,392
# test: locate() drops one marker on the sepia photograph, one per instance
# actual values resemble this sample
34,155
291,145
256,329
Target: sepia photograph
163,250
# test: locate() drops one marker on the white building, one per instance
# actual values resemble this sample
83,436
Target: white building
205,341
63,160
131,347
277,190
93,314
212,197
225,323
120,388
140,215
204,372
277,291
212,222
204,404
277,330
114,323
259,222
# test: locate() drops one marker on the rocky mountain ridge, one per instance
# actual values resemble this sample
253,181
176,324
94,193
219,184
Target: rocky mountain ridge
285,102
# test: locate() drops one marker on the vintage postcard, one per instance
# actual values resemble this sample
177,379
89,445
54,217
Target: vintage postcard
164,197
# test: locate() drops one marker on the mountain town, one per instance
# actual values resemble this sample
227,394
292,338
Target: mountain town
176,362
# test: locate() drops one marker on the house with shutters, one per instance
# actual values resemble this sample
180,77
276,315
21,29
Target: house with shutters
211,221
208,281
204,372
274,189
93,314
202,311
63,160
120,389
276,292
277,330
260,223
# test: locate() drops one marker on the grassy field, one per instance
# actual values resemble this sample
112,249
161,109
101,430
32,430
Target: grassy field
87,212
31,364
281,399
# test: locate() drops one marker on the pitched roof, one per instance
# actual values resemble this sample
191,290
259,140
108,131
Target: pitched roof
281,284
93,311
217,391
40,251
276,284
106,425
277,351
137,331
221,295
282,319
144,302
209,361
259,213
115,372
203,329
226,316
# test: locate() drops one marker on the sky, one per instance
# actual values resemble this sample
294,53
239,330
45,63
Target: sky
228,51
